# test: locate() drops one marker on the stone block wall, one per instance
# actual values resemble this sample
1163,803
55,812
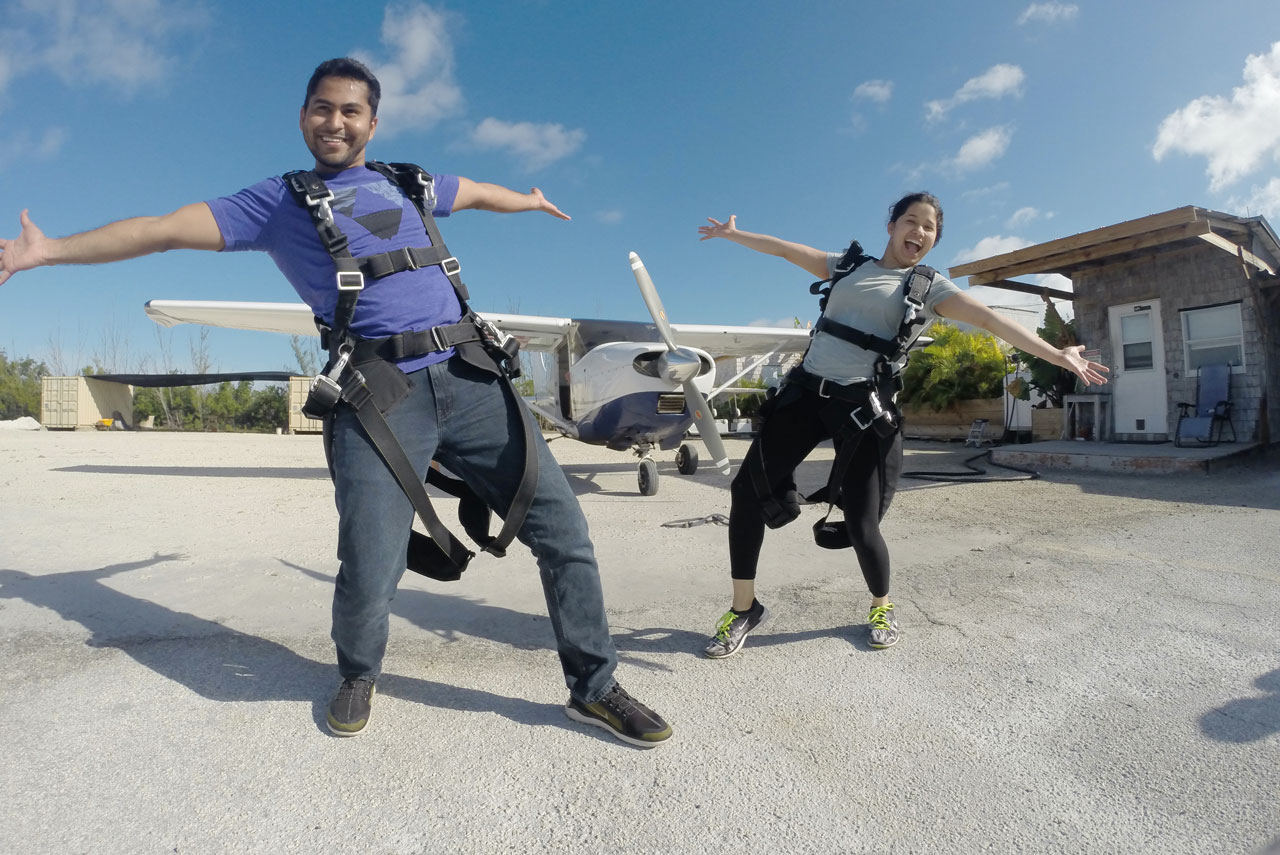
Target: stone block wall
1180,278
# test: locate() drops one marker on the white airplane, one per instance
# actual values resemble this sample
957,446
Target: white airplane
621,384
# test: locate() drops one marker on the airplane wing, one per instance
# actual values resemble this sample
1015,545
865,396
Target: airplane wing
533,332
741,341
289,318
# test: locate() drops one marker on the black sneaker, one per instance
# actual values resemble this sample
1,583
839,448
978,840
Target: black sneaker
349,709
623,716
733,629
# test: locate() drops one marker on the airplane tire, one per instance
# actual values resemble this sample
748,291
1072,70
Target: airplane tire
687,460
647,477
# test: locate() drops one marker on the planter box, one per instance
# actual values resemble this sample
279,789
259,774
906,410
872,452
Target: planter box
923,422
1046,424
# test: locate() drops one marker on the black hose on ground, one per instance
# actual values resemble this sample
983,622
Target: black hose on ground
976,473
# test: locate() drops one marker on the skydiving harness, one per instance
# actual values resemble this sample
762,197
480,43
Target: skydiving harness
363,373
853,408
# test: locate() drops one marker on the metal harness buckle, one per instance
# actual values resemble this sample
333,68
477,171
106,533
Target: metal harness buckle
453,263
322,202
857,421
437,340
822,388
351,281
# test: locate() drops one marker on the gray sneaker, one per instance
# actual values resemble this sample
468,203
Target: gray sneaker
884,626
733,629
349,709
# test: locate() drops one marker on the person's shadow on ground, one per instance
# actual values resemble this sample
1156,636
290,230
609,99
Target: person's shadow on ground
221,663
1247,719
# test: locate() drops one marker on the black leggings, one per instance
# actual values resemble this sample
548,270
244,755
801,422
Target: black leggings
787,436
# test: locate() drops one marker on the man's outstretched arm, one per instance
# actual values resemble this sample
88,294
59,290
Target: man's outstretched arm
474,195
189,227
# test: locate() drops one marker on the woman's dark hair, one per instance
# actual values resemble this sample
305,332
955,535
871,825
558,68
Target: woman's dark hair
900,207
348,69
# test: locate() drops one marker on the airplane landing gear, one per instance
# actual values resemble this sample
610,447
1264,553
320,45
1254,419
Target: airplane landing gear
687,459
647,477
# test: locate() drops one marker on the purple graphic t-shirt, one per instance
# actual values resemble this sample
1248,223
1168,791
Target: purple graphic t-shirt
376,217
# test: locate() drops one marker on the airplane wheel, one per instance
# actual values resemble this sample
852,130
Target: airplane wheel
687,460
647,477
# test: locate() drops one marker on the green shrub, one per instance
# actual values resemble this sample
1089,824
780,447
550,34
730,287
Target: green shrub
958,366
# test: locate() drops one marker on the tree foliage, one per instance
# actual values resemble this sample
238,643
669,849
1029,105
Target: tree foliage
1048,379
233,407
20,387
958,366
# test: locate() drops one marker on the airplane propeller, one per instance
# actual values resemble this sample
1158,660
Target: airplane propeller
681,366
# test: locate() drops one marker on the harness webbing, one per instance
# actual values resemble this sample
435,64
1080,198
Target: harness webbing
347,352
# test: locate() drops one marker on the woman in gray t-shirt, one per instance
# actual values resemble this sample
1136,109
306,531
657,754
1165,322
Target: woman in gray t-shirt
838,381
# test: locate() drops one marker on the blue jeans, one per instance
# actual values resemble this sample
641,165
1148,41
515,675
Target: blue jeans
461,416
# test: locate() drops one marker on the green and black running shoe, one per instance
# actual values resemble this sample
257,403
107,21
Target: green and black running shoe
623,716
733,629
884,626
349,709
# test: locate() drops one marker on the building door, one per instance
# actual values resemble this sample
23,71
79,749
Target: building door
1138,390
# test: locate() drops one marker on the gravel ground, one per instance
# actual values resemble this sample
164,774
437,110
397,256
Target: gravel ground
1090,663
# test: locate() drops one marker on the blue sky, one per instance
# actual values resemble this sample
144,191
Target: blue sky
1031,121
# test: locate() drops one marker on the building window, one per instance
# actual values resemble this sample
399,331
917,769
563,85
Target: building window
1135,339
1211,335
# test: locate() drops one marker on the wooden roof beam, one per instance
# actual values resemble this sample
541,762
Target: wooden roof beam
1238,251
1176,217
1065,261
1028,288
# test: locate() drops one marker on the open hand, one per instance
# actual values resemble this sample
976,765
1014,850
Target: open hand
718,229
23,252
543,204
1089,372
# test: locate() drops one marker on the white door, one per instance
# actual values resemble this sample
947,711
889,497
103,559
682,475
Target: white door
1139,397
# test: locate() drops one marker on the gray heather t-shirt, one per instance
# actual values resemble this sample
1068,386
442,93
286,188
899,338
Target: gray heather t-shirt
869,299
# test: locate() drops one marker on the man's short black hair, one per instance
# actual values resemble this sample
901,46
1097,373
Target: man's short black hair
348,69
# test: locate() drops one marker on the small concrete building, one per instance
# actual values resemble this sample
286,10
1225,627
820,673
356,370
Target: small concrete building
1158,297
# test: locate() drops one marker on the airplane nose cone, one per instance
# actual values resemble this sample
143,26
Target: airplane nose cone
679,365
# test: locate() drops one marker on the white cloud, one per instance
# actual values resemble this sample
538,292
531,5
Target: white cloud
982,149
418,86
879,91
997,81
1235,135
1048,13
23,148
979,192
1264,201
609,218
537,145
1022,216
988,247
126,43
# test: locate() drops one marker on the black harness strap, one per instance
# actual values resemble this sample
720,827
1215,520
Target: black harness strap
357,394
345,381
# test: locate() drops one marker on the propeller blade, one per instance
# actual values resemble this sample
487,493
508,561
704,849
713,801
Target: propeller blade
651,300
707,430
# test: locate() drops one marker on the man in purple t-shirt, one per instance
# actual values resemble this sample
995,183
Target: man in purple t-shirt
454,411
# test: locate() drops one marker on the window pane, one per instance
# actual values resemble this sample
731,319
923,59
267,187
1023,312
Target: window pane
1217,322
1135,327
1137,356
1231,354
1213,335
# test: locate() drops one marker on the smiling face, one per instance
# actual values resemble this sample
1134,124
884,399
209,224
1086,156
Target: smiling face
911,236
337,123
